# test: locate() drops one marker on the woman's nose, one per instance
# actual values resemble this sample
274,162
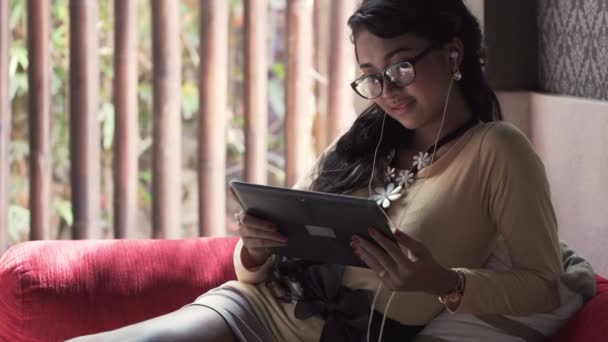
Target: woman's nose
390,89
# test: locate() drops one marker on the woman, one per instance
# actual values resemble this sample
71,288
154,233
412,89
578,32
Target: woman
475,183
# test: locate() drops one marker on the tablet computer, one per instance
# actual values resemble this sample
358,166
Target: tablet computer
319,226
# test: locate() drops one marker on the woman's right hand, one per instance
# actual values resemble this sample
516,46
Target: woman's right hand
258,236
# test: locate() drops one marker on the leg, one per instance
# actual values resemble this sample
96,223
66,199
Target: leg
191,323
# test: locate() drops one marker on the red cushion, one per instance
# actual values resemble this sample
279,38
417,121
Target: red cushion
54,290
590,324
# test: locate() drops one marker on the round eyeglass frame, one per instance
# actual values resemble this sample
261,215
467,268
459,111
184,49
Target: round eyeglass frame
380,77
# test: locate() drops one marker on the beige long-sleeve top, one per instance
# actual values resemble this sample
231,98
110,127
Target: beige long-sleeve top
489,184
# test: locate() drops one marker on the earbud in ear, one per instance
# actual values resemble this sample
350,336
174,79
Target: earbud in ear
454,55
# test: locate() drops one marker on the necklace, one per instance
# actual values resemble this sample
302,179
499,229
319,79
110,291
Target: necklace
398,180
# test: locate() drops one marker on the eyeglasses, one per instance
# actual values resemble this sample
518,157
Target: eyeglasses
400,74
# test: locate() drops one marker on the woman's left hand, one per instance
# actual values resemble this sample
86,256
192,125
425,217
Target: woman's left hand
413,270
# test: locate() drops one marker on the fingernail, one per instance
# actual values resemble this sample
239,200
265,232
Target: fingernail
353,244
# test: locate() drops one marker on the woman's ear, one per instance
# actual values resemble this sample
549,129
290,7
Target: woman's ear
455,52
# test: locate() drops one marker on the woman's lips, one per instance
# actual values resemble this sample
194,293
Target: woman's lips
404,107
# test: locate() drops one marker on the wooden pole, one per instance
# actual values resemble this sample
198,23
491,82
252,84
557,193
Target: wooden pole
256,93
166,201
342,68
322,11
299,84
127,132
85,146
5,120
213,85
39,112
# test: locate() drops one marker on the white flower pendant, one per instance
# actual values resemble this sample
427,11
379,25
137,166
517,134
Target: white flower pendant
405,178
422,160
384,196
390,174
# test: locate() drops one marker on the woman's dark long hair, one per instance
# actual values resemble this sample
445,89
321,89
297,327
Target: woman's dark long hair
349,165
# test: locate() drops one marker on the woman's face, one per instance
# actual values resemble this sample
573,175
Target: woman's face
421,102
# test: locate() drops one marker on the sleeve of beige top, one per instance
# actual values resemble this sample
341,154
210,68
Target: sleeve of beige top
515,192
260,273
250,276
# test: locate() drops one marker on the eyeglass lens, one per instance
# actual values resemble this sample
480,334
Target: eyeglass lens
400,75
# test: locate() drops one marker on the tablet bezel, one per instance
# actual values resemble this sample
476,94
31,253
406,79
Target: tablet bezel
302,217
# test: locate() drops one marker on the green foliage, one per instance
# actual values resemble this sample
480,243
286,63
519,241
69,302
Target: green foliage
17,13
279,70
19,150
144,186
276,97
63,209
19,60
17,69
108,120
18,223
189,100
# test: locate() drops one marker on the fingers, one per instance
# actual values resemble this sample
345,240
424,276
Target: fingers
253,243
255,233
401,266
259,234
371,261
388,276
389,246
373,255
252,221
413,245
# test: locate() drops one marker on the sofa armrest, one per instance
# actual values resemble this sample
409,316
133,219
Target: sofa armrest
590,323
54,290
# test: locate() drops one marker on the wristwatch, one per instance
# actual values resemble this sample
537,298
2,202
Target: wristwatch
456,294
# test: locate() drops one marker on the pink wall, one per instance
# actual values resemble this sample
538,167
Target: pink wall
571,136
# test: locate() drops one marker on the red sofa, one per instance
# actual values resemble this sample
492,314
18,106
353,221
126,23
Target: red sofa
54,290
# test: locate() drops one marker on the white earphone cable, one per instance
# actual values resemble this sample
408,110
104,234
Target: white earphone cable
371,179
371,311
388,304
